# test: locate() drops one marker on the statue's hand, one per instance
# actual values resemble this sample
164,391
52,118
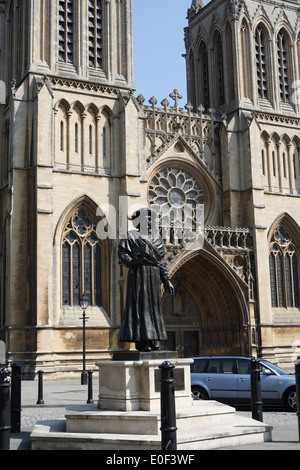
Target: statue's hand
170,288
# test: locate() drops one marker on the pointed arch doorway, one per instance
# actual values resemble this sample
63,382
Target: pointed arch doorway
208,314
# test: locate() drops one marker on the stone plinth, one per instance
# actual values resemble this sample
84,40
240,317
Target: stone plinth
128,417
133,384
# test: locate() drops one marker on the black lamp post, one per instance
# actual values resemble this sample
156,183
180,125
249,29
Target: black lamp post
84,303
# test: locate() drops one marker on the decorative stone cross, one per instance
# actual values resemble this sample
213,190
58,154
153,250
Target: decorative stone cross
175,96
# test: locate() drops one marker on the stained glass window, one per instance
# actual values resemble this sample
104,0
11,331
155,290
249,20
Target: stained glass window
81,260
176,195
76,273
66,250
284,269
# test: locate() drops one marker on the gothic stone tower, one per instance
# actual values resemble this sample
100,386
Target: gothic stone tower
77,145
243,60
65,120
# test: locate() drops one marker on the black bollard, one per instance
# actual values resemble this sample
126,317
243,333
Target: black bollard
168,412
15,407
297,376
4,409
90,387
256,400
40,389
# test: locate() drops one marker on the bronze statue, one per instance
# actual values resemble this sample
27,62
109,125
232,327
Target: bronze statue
143,253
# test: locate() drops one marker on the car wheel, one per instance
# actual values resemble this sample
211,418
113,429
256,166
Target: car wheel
291,399
199,394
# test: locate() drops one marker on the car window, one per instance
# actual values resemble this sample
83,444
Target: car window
263,368
244,366
276,368
222,366
199,365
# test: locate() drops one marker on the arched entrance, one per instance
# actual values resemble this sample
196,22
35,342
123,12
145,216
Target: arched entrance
208,314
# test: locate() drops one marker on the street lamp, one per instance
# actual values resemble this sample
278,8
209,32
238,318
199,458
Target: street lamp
84,303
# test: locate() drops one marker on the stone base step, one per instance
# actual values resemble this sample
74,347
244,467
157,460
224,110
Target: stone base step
53,435
91,419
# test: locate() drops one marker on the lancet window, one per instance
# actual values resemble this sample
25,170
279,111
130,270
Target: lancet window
283,66
218,70
261,66
95,33
245,60
66,31
203,76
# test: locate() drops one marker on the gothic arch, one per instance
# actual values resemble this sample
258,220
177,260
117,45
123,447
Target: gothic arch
106,111
93,109
203,75
215,304
82,200
61,110
275,136
296,162
246,58
63,103
285,27
285,66
286,219
91,140
296,140
77,228
285,138
284,263
217,67
262,58
265,136
105,133
265,23
78,105
229,78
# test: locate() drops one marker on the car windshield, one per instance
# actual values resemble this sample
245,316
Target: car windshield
276,369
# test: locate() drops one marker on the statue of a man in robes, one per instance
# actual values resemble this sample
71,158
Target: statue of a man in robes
143,253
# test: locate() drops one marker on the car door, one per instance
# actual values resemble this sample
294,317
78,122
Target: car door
269,384
268,381
243,381
221,379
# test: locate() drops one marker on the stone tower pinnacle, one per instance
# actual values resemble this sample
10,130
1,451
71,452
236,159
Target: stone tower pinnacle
198,3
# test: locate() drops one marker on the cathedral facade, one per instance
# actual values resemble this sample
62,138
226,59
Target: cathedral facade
80,152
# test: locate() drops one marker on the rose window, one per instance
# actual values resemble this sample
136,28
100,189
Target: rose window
176,195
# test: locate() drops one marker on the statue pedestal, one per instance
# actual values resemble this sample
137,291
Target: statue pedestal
127,416
131,381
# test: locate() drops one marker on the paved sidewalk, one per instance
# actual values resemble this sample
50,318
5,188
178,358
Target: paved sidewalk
58,394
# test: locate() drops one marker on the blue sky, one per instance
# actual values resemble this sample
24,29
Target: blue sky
158,45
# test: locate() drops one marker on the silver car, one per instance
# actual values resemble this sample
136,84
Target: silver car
227,379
